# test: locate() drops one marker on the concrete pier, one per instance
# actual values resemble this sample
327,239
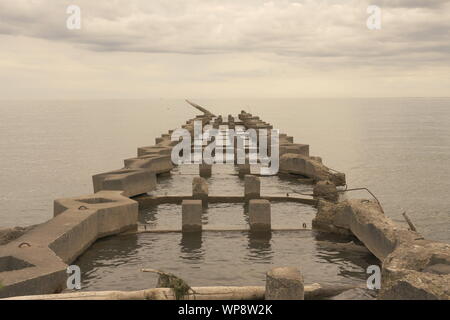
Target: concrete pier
200,190
284,284
205,170
191,215
259,215
252,187
35,262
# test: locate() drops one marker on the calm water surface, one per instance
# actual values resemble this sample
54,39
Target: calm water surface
398,148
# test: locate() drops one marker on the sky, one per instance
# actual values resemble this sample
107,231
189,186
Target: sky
223,49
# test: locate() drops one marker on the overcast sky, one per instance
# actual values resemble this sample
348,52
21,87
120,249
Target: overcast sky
223,48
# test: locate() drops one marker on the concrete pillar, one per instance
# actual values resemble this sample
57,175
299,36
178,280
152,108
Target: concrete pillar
252,187
259,215
205,170
191,215
200,190
243,169
284,284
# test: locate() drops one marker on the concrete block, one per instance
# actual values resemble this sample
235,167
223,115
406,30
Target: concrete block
200,190
192,215
243,169
294,148
259,215
36,262
308,167
132,182
284,283
153,150
154,163
205,170
417,269
252,187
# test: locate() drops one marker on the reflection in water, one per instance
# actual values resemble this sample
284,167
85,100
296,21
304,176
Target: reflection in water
259,247
344,259
191,246
215,259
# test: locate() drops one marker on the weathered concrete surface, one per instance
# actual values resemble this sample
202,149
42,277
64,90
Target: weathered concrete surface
252,187
132,182
413,268
243,169
326,190
36,262
200,190
259,215
157,164
365,220
284,284
306,166
418,270
191,215
9,234
205,170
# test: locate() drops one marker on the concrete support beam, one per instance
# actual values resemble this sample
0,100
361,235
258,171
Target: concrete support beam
284,284
205,170
192,215
252,187
259,215
200,190
243,170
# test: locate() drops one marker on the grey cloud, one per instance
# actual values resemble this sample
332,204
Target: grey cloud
321,30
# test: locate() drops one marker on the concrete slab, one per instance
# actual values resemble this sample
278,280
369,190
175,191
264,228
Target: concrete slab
154,163
36,262
131,182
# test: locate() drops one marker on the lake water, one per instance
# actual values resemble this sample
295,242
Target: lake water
398,148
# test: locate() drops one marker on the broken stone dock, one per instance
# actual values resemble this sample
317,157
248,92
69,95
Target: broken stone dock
35,262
